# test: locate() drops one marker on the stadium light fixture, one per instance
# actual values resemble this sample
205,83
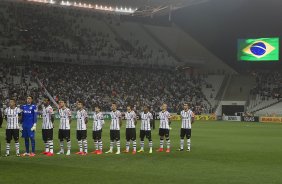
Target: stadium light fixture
84,5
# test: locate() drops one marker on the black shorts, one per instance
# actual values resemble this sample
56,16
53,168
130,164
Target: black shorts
12,134
185,132
130,134
47,134
164,132
97,135
115,135
81,134
146,133
64,134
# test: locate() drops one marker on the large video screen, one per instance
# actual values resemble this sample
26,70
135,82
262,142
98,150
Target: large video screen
259,49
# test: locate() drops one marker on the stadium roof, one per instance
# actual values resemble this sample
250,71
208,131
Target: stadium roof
139,7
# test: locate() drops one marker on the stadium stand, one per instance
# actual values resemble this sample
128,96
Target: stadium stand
273,110
239,87
17,81
82,34
266,92
103,85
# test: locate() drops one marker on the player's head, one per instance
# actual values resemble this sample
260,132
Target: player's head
97,108
29,99
79,104
114,106
12,102
62,104
46,101
128,108
164,107
186,106
146,108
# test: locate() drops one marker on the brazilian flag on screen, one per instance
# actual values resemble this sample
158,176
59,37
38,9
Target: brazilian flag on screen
261,49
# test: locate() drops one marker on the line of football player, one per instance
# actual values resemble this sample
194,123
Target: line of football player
17,122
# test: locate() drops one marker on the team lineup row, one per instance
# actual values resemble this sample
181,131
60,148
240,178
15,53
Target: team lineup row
24,120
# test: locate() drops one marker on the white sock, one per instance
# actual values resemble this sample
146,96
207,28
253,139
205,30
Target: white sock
142,145
51,145
189,143
8,148
111,146
134,145
85,146
127,145
101,145
80,145
118,146
168,143
46,147
69,145
161,143
96,145
151,144
181,143
17,145
62,146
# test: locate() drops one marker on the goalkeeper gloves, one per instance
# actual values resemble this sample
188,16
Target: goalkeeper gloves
33,128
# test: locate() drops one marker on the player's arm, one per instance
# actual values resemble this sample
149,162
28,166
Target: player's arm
69,116
120,119
52,118
169,118
52,115
86,117
135,119
22,115
35,115
151,117
33,128
101,118
20,120
5,115
193,118
70,119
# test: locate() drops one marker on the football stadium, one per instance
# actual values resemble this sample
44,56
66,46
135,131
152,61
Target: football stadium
140,91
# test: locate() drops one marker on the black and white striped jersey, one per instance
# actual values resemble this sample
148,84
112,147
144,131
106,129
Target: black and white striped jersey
164,119
65,115
130,119
186,117
115,120
12,117
47,113
81,116
98,121
145,121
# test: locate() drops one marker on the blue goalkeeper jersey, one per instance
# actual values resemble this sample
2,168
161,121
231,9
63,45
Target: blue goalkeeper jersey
29,115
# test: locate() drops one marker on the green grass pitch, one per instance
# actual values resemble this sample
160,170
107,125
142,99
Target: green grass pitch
222,153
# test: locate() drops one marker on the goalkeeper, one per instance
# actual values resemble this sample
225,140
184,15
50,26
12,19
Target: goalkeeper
29,119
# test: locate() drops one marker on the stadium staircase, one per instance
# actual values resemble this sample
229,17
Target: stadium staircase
239,88
125,45
160,43
271,109
257,104
222,90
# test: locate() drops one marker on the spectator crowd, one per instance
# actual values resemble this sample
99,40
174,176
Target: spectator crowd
103,85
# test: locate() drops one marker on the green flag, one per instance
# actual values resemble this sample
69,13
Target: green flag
261,49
